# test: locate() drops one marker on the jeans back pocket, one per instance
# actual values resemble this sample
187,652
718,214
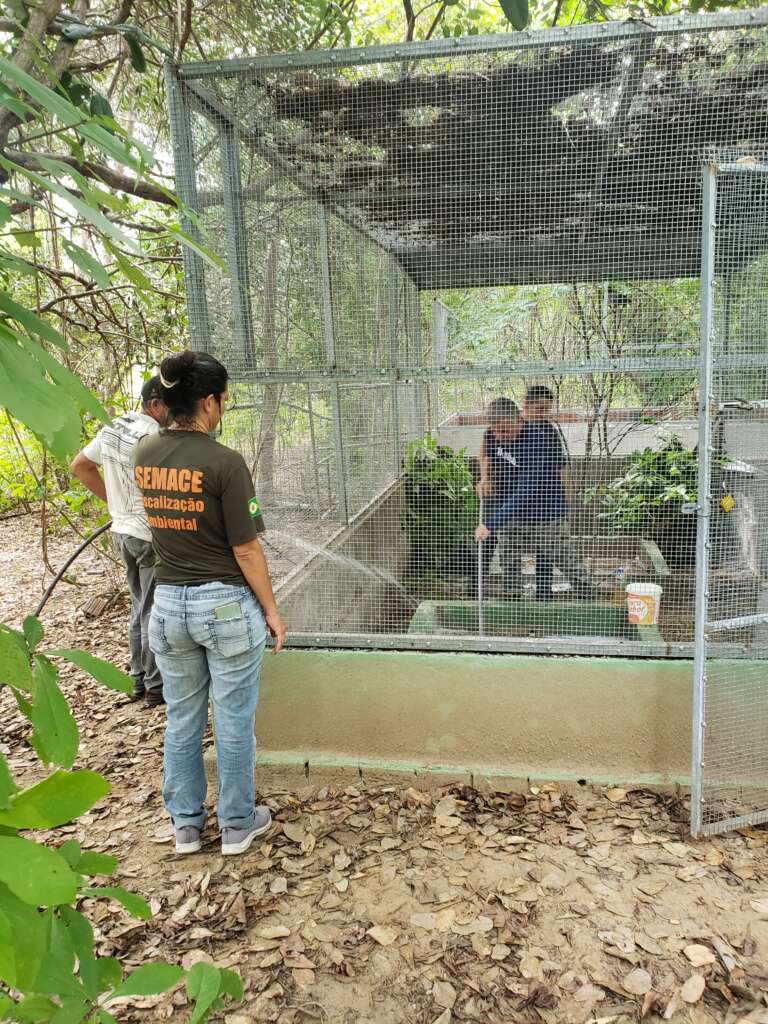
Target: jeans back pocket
230,637
158,642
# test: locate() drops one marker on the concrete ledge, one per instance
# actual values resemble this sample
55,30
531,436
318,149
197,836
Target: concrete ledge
440,717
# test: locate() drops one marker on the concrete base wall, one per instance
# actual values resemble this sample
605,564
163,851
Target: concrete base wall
503,718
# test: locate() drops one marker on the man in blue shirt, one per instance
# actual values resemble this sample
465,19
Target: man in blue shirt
534,516
498,480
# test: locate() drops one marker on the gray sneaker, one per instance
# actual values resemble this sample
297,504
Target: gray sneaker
237,840
187,839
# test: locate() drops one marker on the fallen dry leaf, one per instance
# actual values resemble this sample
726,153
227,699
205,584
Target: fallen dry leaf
299,962
649,945
637,982
759,906
589,993
278,886
699,956
294,832
650,1002
621,937
445,807
303,978
425,921
477,926
273,931
382,934
653,887
693,989
672,1007
616,795
444,994
744,871
679,850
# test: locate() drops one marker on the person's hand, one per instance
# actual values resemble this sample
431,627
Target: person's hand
482,532
484,488
276,627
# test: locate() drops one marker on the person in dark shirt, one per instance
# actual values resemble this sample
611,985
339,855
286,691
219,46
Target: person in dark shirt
498,480
213,603
537,508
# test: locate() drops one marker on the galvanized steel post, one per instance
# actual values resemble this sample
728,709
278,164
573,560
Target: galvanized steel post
186,186
237,243
708,228
330,355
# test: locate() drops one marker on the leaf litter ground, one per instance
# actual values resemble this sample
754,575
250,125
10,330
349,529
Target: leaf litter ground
390,904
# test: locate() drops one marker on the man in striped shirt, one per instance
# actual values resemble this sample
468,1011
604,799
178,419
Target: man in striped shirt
111,453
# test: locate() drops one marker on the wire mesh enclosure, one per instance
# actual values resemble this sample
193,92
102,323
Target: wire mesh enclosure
731,707
408,235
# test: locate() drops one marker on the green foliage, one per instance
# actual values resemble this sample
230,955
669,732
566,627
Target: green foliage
36,388
441,508
655,485
209,986
516,12
19,486
55,737
102,671
49,970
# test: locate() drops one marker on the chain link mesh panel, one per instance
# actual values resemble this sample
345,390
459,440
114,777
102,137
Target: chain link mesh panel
407,235
732,722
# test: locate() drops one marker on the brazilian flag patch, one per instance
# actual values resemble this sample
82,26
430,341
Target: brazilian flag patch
254,508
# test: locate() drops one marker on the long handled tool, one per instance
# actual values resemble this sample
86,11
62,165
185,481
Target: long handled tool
480,624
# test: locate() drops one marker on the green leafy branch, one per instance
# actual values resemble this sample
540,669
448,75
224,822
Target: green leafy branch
35,387
654,485
49,970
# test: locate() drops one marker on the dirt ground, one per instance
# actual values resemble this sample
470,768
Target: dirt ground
390,905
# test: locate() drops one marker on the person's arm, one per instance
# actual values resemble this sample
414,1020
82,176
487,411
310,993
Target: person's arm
87,472
505,513
564,456
484,485
253,565
566,478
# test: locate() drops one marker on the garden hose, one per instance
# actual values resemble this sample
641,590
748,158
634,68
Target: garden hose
69,561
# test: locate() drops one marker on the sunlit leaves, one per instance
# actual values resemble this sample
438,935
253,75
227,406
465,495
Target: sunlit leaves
516,12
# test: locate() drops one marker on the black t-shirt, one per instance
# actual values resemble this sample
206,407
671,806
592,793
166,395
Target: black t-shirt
199,499
503,459
541,455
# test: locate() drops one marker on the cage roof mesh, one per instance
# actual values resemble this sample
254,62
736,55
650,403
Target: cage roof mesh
545,158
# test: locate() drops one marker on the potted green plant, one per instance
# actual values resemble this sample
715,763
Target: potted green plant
440,511
656,495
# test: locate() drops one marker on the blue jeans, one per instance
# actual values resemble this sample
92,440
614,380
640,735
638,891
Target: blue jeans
200,655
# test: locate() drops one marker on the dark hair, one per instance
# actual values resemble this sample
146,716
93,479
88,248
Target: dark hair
188,377
150,390
539,393
502,409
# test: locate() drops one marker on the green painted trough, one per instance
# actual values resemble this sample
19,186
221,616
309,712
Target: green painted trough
530,618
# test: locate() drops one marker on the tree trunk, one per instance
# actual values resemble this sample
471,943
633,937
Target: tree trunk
27,50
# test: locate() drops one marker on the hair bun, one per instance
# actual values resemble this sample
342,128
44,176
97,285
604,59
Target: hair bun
178,367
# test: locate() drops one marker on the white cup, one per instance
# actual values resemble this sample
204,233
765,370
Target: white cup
643,600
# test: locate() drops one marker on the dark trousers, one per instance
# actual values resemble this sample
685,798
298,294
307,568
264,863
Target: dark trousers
139,558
